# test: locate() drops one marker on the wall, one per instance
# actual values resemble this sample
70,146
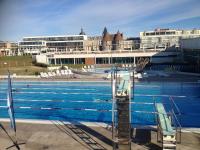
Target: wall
193,43
89,61
162,60
41,59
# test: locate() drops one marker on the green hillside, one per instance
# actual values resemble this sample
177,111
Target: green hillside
20,65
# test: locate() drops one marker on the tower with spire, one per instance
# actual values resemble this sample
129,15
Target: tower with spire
104,31
106,40
118,38
82,32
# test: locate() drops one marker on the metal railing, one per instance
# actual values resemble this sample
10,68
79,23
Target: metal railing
176,121
177,126
104,52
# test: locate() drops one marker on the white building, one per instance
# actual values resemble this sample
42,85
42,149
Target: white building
165,38
51,44
106,57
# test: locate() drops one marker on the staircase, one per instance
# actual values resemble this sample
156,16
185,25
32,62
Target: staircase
141,63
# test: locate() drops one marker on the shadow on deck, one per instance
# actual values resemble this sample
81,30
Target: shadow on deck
83,135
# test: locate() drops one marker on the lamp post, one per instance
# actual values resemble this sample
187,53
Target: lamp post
5,63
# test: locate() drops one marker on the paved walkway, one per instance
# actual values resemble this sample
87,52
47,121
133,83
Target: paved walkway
59,136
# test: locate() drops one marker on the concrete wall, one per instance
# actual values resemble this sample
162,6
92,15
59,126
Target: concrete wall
192,43
162,60
89,61
41,59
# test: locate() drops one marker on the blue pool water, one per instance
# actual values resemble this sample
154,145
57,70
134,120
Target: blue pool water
70,99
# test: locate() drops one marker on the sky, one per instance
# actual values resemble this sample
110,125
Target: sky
21,18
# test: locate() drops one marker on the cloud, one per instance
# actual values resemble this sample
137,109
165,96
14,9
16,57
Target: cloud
45,17
125,14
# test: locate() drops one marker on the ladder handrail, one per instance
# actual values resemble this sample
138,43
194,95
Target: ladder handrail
179,125
173,113
174,116
172,100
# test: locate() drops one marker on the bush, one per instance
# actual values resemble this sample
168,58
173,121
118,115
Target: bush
41,65
37,73
62,67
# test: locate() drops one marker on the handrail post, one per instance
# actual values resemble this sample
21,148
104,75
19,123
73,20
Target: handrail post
176,119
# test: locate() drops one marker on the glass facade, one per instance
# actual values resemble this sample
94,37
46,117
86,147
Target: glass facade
61,38
191,56
114,60
102,60
59,61
31,43
122,60
52,44
65,44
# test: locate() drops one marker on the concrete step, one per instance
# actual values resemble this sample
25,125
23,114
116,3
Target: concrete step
169,146
169,140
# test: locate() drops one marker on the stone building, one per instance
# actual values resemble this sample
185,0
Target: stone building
111,41
8,48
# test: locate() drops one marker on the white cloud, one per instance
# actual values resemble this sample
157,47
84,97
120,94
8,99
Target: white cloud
115,13
49,17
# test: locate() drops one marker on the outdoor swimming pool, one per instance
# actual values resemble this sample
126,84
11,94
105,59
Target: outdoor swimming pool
90,101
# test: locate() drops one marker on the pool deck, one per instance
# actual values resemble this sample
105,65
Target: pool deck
173,77
60,136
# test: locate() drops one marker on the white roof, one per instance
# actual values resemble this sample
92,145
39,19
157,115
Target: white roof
46,36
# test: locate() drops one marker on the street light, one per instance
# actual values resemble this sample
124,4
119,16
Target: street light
5,63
